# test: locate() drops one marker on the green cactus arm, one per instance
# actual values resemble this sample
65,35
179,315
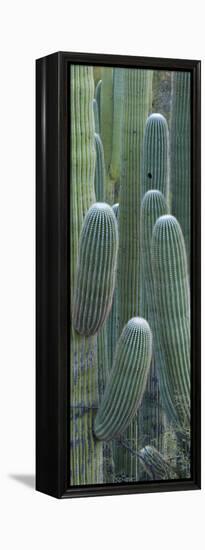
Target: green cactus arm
155,157
127,380
112,322
86,455
172,312
118,103
96,116
180,153
155,464
98,97
95,280
106,118
100,176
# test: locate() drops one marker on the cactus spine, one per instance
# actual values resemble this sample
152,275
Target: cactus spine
181,152
172,313
155,464
96,269
86,454
127,380
155,162
99,170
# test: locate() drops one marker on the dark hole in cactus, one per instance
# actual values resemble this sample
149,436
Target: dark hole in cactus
149,175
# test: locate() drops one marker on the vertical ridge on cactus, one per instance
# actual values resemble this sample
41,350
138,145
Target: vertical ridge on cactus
106,117
112,322
127,380
181,152
118,102
155,158
95,280
96,116
151,416
155,464
100,176
86,455
98,97
137,89
172,312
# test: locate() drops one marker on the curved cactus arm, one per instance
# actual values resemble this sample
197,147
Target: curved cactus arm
95,281
155,157
155,464
112,322
100,176
172,314
181,153
127,380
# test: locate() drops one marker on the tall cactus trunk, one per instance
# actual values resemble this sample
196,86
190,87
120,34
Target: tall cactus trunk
155,177
137,90
86,453
106,117
181,153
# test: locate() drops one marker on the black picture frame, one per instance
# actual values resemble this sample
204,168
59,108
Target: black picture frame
52,272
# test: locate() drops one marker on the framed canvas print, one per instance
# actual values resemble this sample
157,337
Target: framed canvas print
118,274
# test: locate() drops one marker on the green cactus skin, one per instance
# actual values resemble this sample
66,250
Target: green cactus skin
96,269
150,415
112,322
118,102
155,464
86,454
127,380
161,93
181,153
137,93
155,163
98,97
96,116
106,128
172,313
137,90
99,170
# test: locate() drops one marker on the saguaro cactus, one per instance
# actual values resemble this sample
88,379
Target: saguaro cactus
155,163
99,170
86,454
172,313
137,90
181,152
98,97
96,116
112,322
151,416
118,104
127,380
106,116
96,269
155,464
161,93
